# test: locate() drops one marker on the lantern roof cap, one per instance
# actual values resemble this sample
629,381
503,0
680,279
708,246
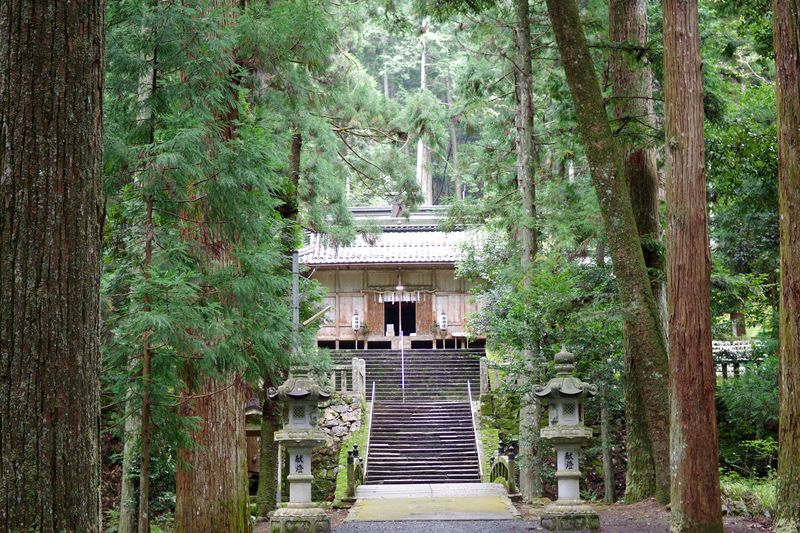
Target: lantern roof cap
300,385
564,384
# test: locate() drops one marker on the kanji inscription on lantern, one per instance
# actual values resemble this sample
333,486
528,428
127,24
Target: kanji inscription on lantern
569,461
299,462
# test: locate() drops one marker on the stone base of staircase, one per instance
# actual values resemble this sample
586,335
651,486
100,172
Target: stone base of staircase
441,501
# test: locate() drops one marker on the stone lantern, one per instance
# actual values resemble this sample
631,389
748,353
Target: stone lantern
564,396
300,434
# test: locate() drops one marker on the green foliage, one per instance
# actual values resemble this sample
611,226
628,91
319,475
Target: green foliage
742,168
747,419
424,115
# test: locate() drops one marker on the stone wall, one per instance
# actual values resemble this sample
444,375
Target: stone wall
340,416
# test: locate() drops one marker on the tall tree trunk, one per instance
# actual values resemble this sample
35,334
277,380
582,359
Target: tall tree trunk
453,126
786,25
211,479
131,510
605,440
530,480
632,91
146,432
695,500
270,415
266,498
51,132
523,120
128,504
641,315
424,177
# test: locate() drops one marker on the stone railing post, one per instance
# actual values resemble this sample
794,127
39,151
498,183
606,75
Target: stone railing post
359,377
484,376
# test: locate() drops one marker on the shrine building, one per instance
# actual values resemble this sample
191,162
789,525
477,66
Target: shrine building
398,288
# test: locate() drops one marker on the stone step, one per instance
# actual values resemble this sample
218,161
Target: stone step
397,454
434,477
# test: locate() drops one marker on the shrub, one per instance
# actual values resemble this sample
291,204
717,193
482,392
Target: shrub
750,497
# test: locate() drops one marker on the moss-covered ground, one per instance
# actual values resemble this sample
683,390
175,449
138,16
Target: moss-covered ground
360,438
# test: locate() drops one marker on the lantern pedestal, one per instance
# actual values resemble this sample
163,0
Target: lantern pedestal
563,516
299,520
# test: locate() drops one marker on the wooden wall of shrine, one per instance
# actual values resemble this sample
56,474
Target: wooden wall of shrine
365,290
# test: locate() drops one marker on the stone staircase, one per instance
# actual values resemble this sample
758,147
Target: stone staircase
429,437
422,442
430,375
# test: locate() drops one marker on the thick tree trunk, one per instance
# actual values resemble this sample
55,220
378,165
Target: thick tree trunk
51,132
632,91
695,491
786,24
211,479
641,315
530,481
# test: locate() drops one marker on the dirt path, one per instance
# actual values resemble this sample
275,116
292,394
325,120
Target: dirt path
644,517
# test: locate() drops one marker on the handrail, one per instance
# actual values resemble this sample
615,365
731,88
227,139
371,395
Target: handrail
402,367
475,431
369,429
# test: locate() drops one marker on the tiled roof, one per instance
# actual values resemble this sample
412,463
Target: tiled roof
404,244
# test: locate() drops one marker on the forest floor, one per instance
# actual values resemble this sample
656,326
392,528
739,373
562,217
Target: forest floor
642,517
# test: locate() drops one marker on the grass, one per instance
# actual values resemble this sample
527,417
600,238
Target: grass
750,497
360,438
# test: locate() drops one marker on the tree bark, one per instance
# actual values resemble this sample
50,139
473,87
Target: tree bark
641,314
424,177
695,490
211,479
632,92
128,504
530,480
786,26
51,133
146,432
605,440
266,498
453,125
